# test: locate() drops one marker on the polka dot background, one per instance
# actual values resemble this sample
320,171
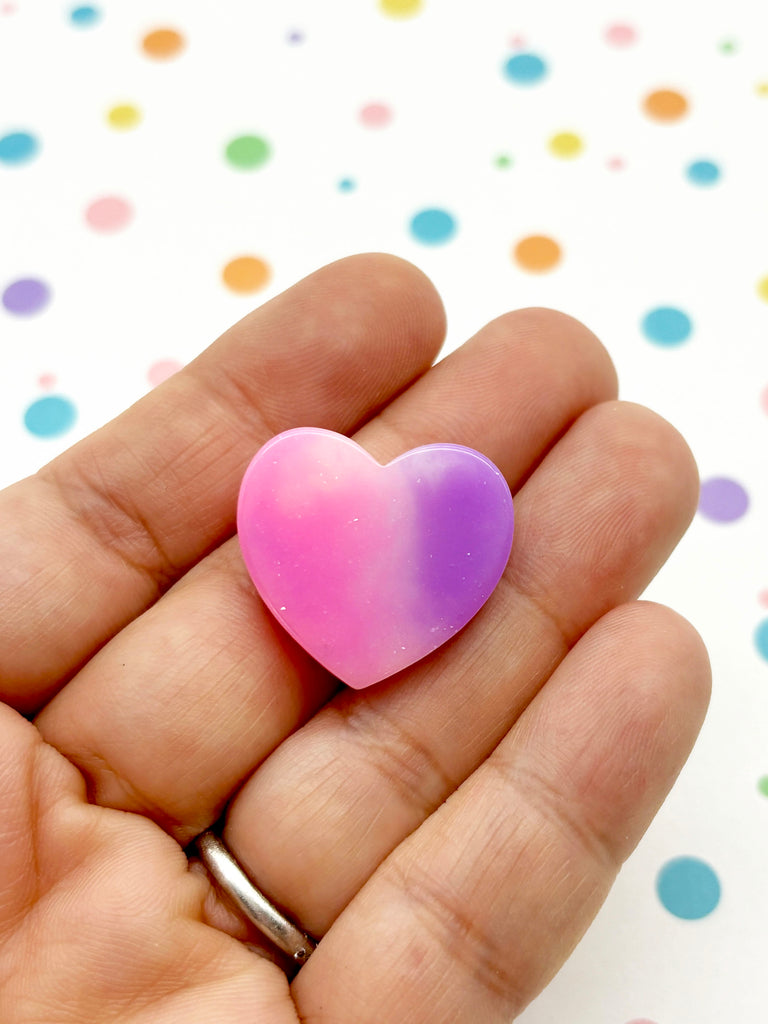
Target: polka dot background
187,168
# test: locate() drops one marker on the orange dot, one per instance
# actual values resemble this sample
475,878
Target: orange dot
665,105
163,43
537,253
246,274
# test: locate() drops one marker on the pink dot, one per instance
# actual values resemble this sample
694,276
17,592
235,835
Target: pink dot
517,42
762,597
162,370
376,115
764,399
616,163
110,213
620,35
46,381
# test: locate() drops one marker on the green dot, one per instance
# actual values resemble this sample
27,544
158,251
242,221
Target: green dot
503,161
762,785
248,151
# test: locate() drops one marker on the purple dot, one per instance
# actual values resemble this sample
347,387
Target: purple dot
722,500
26,296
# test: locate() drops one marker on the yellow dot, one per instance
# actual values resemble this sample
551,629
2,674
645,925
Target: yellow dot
665,105
246,274
762,288
537,253
400,8
163,43
762,88
566,145
124,116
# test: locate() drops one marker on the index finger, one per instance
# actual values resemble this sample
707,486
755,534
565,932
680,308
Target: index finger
92,540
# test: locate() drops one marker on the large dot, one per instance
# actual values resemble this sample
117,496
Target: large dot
26,296
124,116
688,888
537,253
722,500
110,213
525,69
761,639
18,147
566,145
400,8
433,226
248,151
246,274
85,16
665,105
376,115
667,326
703,172
50,416
162,43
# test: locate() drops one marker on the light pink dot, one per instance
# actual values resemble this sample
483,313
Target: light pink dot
616,163
46,381
110,213
517,42
762,597
620,35
376,115
764,399
162,370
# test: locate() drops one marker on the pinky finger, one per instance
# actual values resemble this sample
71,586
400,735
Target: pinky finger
470,917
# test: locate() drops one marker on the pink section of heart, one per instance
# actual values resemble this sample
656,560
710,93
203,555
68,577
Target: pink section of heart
372,567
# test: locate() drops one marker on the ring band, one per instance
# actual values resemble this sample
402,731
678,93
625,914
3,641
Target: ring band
254,904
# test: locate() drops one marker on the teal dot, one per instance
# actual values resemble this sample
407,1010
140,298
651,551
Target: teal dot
346,185
433,227
18,147
761,639
50,416
84,17
525,69
688,888
703,172
666,326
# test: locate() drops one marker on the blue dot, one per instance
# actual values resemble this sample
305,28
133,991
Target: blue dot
433,227
50,416
667,326
703,172
525,69
84,16
688,888
346,185
761,639
18,147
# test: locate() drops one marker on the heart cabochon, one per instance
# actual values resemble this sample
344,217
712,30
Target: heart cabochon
372,567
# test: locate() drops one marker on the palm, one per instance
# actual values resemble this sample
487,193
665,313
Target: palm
449,833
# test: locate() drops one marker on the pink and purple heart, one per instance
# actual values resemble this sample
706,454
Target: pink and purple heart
372,567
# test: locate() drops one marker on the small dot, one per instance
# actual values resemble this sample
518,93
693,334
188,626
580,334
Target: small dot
124,116
162,43
503,161
525,69
667,326
703,172
616,163
762,288
433,226
722,500
110,213
84,17
688,888
50,416
26,296
566,145
47,381
762,88
728,46
761,639
295,37
376,115
347,185
665,105
764,400
246,274
400,8
620,35
762,785
248,151
762,597
18,147
537,253
162,370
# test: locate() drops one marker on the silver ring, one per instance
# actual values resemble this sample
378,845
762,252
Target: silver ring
254,904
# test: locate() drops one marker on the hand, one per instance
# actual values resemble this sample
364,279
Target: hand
448,834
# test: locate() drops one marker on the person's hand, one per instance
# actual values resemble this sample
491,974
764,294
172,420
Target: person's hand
448,834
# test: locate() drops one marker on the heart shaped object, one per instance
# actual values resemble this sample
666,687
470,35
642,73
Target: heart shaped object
372,567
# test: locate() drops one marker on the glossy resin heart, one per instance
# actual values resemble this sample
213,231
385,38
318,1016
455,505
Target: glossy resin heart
372,567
